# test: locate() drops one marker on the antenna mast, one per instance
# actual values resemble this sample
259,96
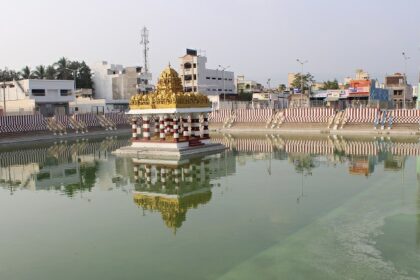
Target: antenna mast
145,43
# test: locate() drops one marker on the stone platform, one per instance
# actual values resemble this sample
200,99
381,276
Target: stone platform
169,153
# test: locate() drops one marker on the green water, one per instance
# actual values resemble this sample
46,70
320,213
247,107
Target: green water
75,211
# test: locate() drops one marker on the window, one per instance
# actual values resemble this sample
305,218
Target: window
38,92
195,65
76,109
187,65
213,78
187,78
219,79
65,92
219,89
195,77
207,78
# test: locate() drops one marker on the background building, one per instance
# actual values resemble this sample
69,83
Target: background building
399,89
49,97
247,86
116,84
196,77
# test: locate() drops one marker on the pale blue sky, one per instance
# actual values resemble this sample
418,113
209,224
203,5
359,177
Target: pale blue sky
260,39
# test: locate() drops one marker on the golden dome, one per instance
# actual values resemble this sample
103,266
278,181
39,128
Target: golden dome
169,81
169,93
173,210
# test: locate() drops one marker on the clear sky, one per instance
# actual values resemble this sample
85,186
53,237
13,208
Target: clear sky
260,39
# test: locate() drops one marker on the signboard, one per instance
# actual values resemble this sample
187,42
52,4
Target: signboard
359,91
319,94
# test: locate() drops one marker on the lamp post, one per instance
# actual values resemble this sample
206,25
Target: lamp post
223,77
405,75
301,72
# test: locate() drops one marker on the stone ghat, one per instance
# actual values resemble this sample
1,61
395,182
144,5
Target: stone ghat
319,119
319,145
60,124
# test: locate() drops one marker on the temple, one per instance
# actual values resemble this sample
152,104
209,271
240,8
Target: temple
169,122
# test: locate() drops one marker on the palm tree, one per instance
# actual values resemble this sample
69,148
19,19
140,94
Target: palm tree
50,73
62,68
26,73
39,72
14,75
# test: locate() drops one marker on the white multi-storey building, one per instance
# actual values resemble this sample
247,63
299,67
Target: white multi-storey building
49,97
116,83
197,78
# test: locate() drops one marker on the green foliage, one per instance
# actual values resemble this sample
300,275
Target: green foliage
307,80
62,66
26,73
282,87
63,69
50,73
40,72
8,75
330,85
245,96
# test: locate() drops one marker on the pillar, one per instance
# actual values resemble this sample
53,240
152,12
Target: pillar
166,123
146,128
195,125
163,177
134,128
177,178
136,173
206,134
157,127
175,128
148,169
185,124
139,124
161,128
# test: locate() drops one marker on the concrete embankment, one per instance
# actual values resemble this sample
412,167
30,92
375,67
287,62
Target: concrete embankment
23,138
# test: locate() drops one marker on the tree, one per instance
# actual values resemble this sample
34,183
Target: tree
306,79
84,76
50,73
40,72
282,87
330,85
9,75
26,73
245,96
63,69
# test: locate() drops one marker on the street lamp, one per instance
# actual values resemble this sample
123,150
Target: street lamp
405,75
223,77
301,73
74,77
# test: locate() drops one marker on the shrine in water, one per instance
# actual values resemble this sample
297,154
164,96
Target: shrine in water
169,122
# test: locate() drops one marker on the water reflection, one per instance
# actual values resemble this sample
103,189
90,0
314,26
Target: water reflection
172,188
308,153
68,167
273,204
